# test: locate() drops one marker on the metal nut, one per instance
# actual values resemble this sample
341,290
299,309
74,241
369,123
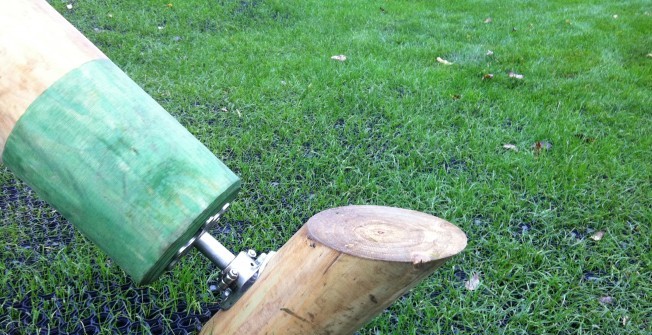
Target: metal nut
251,253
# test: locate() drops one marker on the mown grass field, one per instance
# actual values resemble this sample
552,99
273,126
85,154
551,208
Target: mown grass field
255,82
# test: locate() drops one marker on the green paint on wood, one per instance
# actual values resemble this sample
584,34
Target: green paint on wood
119,167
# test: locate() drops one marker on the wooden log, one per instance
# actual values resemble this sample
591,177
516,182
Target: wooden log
98,148
37,47
340,270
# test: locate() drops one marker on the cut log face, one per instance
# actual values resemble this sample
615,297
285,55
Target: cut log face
340,270
388,234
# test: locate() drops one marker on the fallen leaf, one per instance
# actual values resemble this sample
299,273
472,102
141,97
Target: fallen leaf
69,6
169,5
606,300
510,147
473,283
443,61
490,53
541,145
488,20
515,75
488,76
597,236
340,58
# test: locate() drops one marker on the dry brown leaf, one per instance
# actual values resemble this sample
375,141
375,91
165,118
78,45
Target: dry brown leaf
515,75
488,76
541,145
510,147
597,236
443,61
607,300
488,20
340,58
473,283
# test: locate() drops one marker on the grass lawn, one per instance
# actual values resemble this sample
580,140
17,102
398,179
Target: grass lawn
391,125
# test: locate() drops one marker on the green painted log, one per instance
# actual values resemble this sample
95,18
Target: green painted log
114,163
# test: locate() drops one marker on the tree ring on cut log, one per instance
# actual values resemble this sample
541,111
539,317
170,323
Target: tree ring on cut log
386,233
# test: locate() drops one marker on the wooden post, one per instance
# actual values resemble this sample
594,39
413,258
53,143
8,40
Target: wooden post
37,47
97,147
340,270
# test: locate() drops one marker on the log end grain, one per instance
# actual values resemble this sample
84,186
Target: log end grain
386,233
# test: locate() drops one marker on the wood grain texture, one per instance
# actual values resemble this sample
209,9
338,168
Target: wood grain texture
37,47
361,231
313,287
120,168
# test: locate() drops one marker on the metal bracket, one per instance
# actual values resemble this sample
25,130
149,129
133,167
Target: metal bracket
241,273
238,272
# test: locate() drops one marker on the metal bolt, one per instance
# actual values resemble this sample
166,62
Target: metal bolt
228,279
251,253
